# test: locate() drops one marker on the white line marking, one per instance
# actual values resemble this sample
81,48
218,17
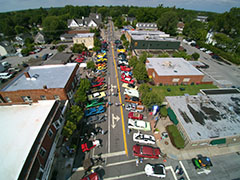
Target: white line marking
119,153
125,176
120,163
173,173
186,174
109,122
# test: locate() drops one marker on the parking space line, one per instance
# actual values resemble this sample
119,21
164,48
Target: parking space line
184,170
125,176
173,173
113,154
121,162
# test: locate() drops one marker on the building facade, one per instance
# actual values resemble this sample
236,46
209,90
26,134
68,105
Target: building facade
46,82
172,71
151,40
146,26
30,150
87,39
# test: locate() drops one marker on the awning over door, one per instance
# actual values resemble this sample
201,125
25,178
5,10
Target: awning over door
218,141
172,116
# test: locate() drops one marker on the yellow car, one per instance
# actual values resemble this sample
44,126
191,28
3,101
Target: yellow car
96,95
129,86
121,50
101,67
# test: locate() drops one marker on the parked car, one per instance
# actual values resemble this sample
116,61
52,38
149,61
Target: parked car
131,92
125,68
96,95
44,57
129,86
134,107
92,176
94,111
97,84
5,75
98,89
139,125
96,119
144,151
128,80
156,170
143,138
134,115
132,100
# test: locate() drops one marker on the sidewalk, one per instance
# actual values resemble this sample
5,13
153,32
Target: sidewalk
167,148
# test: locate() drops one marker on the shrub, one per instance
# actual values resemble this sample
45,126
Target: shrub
175,136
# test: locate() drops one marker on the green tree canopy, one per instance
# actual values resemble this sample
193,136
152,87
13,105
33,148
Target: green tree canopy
91,65
78,48
80,96
195,56
163,111
195,30
133,61
168,22
76,114
140,72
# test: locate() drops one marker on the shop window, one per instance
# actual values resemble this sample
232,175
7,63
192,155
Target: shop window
56,97
43,97
42,151
8,99
50,133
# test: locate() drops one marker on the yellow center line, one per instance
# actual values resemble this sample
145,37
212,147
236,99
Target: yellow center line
120,100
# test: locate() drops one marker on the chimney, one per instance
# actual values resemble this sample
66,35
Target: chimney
44,86
27,75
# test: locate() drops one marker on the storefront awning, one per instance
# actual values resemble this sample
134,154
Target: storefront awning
172,116
218,141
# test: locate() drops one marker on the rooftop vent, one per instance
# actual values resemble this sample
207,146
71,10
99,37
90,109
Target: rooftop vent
27,75
175,71
167,63
44,86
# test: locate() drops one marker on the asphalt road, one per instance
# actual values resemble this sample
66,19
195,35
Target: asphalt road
223,73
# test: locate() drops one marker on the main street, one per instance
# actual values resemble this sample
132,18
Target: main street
118,143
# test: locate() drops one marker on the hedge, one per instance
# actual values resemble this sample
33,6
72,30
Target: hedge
175,136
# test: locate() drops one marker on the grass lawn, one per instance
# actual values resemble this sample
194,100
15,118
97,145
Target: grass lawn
162,91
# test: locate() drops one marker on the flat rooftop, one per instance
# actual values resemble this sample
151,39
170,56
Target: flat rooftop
151,36
172,67
53,76
84,35
204,117
220,91
59,58
20,125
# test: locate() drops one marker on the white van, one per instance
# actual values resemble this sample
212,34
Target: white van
5,75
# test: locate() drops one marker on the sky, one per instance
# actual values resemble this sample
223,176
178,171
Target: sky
219,6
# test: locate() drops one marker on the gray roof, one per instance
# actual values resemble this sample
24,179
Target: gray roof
172,67
204,117
80,35
59,58
97,18
150,36
53,76
67,36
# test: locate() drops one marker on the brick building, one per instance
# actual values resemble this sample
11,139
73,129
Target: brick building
28,138
46,82
172,71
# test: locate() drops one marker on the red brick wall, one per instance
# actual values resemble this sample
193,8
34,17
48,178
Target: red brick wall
35,94
168,79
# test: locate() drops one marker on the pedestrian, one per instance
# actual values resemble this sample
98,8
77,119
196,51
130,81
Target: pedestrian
123,105
102,132
137,162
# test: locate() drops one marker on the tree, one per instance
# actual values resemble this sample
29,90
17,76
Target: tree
61,48
133,61
182,54
163,112
195,30
76,114
53,27
168,22
80,96
68,129
78,48
140,72
165,54
223,40
19,29
91,65
123,38
195,56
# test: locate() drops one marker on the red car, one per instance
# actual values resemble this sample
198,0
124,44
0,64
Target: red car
134,115
97,84
124,68
93,176
79,59
90,145
146,151
128,81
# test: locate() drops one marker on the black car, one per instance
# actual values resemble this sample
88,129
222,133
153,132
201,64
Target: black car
96,119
